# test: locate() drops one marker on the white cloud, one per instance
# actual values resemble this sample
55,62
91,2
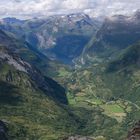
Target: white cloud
31,8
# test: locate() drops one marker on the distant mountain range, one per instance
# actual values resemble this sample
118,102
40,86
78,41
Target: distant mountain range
66,37
61,37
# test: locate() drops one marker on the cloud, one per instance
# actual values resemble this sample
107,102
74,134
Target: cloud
34,8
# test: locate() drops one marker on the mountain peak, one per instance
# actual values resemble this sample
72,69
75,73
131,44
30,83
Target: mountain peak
70,17
11,20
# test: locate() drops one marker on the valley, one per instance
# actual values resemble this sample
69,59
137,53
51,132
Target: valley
70,76
106,85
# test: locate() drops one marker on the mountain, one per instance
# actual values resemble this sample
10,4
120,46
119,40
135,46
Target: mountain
28,99
129,58
109,85
36,107
9,21
61,37
116,33
10,54
98,100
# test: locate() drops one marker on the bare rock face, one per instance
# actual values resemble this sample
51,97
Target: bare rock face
78,138
134,134
3,131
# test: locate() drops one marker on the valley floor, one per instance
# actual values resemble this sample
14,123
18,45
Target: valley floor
108,116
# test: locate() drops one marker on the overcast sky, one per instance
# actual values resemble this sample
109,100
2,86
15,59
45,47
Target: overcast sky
36,8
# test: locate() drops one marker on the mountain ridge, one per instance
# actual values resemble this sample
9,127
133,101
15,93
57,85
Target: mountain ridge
68,33
116,33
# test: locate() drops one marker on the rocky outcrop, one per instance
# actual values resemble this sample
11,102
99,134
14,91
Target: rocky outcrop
3,131
134,134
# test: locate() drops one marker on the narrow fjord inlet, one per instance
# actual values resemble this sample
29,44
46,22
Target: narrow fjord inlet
69,70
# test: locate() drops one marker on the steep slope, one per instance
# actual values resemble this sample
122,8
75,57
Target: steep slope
32,105
29,102
60,37
116,33
10,46
111,86
33,111
103,95
126,70
30,112
120,31
129,58
29,53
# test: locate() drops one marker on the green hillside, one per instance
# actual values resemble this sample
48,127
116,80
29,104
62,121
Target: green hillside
129,58
29,103
112,87
34,106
